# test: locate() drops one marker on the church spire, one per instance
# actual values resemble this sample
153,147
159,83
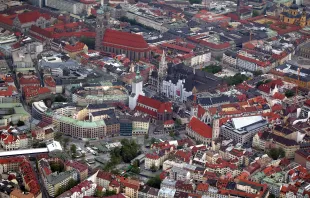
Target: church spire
162,68
138,77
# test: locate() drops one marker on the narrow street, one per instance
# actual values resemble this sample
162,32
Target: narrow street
42,187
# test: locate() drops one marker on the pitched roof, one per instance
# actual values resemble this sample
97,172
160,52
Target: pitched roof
125,40
33,91
74,48
200,127
29,80
43,32
49,81
279,96
32,16
156,104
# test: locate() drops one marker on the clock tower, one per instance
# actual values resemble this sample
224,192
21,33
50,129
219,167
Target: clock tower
102,23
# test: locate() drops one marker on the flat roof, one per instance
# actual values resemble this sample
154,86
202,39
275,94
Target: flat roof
24,152
245,121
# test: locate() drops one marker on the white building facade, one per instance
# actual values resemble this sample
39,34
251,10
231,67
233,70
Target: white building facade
175,91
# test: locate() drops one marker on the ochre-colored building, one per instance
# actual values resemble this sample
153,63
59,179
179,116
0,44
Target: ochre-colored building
293,16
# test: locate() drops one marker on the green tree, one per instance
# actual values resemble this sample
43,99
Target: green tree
66,141
195,1
90,42
271,196
58,136
153,140
177,122
289,93
212,69
109,193
71,184
99,193
154,182
146,136
56,167
73,148
257,73
153,168
135,169
20,123
60,98
61,190
276,153
255,13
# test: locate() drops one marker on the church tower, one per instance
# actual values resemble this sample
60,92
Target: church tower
162,71
136,90
102,23
303,18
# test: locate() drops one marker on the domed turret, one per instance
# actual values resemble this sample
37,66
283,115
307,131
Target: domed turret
294,6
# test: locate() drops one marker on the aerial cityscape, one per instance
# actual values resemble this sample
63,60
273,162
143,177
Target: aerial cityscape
155,98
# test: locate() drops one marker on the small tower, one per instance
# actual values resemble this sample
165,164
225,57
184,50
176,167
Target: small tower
102,23
162,71
303,18
137,89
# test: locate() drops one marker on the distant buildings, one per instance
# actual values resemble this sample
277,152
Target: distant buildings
292,16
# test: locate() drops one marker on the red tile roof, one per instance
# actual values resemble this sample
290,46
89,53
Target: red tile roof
177,47
200,127
49,81
7,92
32,16
184,156
74,48
6,20
32,80
307,103
252,60
125,40
279,96
33,91
40,31
8,138
201,111
202,187
264,88
76,165
161,107
105,175
152,156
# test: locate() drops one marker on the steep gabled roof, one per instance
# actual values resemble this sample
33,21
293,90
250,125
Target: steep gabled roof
32,16
124,39
200,127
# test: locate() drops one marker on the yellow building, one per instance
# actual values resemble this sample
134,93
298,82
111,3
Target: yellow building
293,16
